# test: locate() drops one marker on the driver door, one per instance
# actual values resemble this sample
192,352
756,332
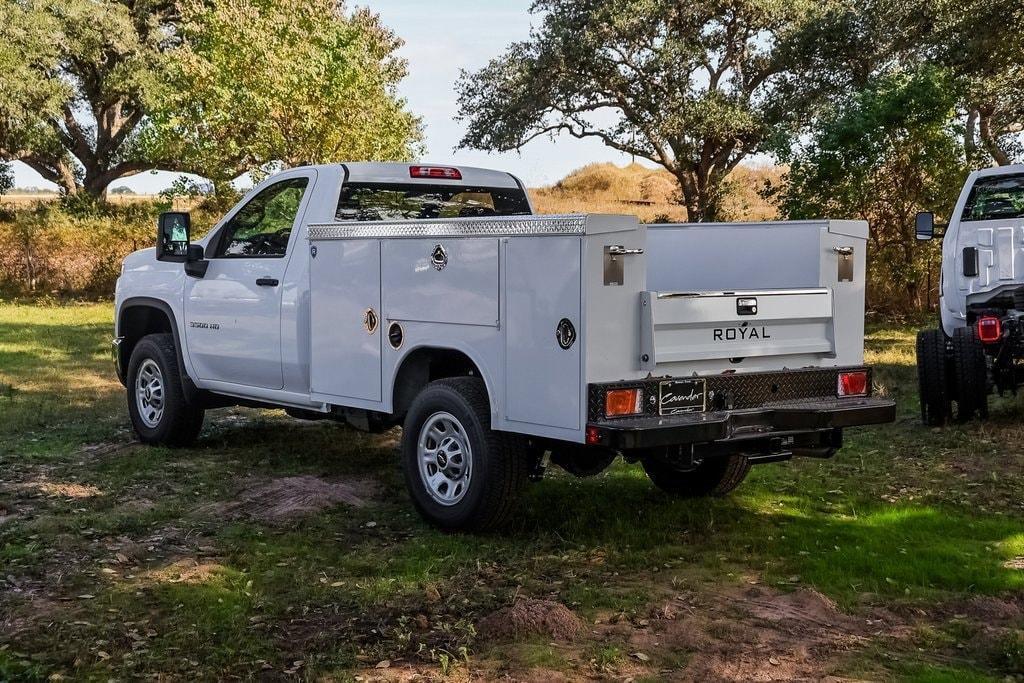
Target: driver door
233,314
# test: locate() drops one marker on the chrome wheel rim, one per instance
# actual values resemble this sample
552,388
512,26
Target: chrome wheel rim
445,458
149,393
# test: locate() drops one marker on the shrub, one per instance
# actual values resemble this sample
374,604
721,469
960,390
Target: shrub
74,248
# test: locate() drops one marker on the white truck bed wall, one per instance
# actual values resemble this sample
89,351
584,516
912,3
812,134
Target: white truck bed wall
808,278
506,285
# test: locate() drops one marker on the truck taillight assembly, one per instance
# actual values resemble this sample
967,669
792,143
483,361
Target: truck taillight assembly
623,402
438,172
853,383
990,329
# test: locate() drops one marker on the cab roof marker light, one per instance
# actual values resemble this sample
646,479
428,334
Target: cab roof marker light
439,172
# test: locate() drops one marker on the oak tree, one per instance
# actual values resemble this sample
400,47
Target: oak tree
695,87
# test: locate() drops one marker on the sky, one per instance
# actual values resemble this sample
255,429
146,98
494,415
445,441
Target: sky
441,38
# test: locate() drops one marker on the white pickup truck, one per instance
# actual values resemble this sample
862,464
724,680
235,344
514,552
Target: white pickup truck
431,297
979,343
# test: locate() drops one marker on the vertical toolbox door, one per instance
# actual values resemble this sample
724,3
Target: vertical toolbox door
542,379
344,349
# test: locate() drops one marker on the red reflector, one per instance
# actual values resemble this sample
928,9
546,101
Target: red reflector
853,384
593,435
442,172
619,402
990,329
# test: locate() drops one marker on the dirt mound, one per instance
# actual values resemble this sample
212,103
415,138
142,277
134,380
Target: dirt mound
532,617
288,498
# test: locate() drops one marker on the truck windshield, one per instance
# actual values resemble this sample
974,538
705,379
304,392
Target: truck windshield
395,202
994,198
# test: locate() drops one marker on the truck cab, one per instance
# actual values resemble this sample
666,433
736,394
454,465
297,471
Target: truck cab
980,338
433,298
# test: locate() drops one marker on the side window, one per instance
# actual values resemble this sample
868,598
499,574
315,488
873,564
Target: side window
263,225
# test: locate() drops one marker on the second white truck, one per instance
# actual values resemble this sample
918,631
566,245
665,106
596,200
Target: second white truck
978,345
431,297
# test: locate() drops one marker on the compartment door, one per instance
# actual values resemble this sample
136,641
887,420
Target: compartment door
344,349
694,326
542,285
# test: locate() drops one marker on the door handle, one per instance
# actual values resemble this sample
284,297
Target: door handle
619,250
267,282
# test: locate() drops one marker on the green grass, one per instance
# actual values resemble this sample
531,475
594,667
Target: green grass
904,518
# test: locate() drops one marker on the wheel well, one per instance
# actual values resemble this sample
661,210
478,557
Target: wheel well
135,323
423,366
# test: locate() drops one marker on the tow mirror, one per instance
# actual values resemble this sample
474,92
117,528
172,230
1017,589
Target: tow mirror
174,229
925,226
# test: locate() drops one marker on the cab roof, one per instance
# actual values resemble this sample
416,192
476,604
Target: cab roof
392,172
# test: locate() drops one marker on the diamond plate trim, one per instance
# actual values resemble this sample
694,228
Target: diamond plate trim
464,227
739,391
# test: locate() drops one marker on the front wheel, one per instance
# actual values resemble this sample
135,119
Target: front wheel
157,404
716,476
461,474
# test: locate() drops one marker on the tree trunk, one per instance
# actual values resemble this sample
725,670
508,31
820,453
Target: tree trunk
988,139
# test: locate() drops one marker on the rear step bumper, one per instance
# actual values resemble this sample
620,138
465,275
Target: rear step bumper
741,425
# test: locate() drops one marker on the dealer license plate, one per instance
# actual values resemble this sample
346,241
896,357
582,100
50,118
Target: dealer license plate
682,396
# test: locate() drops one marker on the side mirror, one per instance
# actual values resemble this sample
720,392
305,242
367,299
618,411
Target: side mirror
924,226
174,229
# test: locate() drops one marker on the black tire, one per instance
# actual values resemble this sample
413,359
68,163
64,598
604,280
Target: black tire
933,378
179,421
716,476
970,374
499,464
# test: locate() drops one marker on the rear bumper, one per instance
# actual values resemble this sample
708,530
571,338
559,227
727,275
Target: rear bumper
741,425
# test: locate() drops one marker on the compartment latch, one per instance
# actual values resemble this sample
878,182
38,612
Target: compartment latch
845,263
614,269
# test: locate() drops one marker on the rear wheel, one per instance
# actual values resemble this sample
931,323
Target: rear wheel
460,473
932,377
715,476
157,404
970,374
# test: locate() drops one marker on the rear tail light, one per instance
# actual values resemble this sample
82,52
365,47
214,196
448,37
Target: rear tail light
441,172
853,383
990,329
622,402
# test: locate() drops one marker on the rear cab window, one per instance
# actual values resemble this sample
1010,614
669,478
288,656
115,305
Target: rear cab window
420,201
994,198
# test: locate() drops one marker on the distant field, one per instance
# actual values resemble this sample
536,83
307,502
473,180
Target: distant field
276,548
19,199
650,194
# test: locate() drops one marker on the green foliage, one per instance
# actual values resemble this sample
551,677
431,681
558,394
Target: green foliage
92,91
75,247
881,155
286,82
6,178
73,77
694,87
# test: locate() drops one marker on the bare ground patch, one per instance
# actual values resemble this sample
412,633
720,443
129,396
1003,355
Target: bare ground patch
751,635
288,498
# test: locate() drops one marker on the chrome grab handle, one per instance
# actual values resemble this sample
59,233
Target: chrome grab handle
619,250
